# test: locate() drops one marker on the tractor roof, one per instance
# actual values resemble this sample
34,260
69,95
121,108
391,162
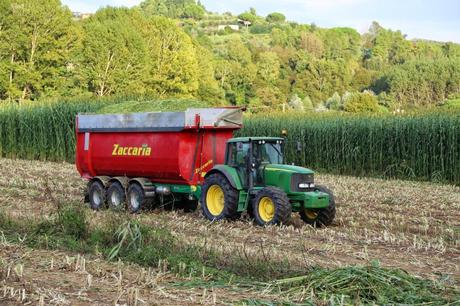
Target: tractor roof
247,139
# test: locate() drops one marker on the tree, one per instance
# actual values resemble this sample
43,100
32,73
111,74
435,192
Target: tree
235,70
194,11
365,102
268,67
312,44
307,103
386,46
36,41
334,102
208,86
321,78
172,68
115,54
247,17
275,18
341,43
421,82
295,103
172,8
271,97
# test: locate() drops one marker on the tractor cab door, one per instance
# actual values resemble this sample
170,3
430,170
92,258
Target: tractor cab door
237,157
265,153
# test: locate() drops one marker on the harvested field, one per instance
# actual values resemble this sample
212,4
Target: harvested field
410,225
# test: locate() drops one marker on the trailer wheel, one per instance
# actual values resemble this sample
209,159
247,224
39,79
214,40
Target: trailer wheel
271,206
320,217
116,196
219,200
135,198
96,194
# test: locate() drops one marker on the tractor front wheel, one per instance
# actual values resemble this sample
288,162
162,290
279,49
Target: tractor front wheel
271,206
320,217
219,200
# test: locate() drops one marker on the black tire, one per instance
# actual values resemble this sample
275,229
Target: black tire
97,195
281,213
135,198
116,196
230,198
320,217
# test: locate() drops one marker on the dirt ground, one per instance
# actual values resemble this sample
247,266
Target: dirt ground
411,225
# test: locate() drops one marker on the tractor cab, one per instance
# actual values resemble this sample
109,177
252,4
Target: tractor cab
250,157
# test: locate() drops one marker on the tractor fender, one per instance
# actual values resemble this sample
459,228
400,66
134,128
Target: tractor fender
230,174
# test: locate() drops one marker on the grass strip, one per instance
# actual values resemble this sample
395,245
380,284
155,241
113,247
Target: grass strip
125,239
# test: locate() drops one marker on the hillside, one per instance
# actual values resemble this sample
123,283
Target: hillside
177,49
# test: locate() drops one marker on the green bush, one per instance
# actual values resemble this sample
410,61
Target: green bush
364,102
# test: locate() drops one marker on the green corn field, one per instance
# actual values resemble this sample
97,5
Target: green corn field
424,146
420,146
43,131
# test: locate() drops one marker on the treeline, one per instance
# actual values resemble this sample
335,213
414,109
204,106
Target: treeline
175,48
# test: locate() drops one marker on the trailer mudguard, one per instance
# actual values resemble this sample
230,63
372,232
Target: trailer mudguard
230,173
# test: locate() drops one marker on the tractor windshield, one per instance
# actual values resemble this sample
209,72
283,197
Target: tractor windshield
268,152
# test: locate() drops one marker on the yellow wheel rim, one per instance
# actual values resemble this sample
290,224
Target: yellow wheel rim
215,200
266,209
311,214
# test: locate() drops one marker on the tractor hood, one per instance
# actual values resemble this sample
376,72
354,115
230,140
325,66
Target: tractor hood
287,177
287,168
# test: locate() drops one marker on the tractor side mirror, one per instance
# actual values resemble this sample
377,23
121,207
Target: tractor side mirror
299,147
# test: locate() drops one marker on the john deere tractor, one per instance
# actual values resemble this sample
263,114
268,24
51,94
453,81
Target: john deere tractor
256,179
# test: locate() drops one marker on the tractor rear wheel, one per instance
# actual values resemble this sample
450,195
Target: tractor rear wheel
97,195
116,196
219,200
320,217
136,198
271,206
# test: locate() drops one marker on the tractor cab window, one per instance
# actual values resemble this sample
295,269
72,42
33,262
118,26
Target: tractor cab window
237,154
267,152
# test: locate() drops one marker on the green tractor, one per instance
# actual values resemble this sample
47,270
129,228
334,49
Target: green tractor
255,179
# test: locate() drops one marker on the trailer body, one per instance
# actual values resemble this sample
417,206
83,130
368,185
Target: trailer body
164,147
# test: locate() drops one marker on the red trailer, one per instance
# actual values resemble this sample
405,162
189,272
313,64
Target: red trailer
165,153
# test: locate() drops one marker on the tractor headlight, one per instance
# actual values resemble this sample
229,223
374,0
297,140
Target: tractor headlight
301,182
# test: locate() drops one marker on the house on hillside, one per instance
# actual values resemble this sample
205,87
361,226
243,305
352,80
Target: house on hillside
246,23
